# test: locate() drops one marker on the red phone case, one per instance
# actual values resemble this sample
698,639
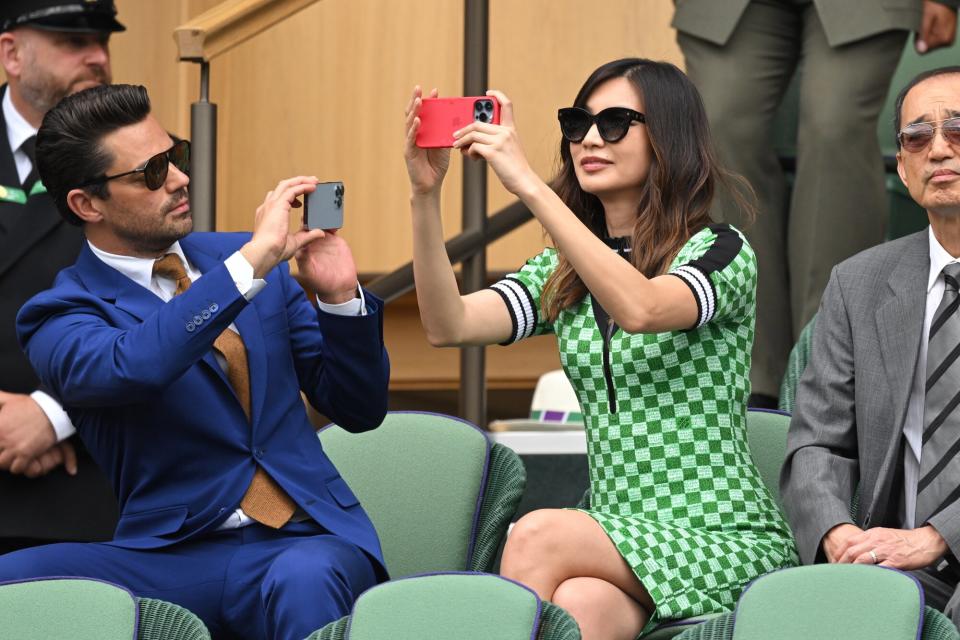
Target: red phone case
440,117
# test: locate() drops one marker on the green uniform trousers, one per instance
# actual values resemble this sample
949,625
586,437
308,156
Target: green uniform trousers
838,204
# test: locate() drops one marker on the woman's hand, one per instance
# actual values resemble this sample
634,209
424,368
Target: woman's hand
500,146
426,167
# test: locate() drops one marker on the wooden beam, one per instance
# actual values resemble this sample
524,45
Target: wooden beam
230,23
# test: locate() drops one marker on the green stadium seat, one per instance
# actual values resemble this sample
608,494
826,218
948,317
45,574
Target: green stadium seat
86,609
440,495
853,602
465,606
796,363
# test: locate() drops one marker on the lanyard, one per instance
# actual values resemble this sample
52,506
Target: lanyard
19,196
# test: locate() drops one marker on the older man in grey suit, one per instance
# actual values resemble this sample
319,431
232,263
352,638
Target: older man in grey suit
877,413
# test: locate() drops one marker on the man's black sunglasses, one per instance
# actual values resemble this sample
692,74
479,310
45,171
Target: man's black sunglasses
155,169
612,123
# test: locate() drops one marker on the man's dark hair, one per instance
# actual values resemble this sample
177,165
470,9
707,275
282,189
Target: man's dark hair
69,144
920,77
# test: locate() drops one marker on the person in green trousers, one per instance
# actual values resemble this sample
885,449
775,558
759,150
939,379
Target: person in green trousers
742,54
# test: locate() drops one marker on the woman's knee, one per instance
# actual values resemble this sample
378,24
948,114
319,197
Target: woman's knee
538,533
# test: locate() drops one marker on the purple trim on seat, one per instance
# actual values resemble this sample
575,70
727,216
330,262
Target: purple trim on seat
923,599
536,621
553,416
133,598
483,479
923,605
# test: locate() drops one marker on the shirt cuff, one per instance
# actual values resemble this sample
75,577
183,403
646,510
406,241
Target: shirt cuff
62,425
242,273
354,307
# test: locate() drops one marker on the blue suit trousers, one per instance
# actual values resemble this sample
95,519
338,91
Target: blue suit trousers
250,583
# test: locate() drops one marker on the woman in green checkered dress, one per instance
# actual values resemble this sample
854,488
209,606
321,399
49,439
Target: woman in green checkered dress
653,309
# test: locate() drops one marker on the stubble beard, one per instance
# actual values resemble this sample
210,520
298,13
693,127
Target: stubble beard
43,91
150,239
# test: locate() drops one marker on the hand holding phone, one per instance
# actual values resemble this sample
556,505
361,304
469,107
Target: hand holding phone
440,117
323,209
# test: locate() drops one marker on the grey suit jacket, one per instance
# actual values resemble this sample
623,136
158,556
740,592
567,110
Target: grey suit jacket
844,21
851,402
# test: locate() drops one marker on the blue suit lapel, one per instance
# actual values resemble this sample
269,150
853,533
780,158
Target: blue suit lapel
107,283
247,322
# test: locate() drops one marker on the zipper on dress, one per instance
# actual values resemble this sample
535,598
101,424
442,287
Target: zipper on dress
608,376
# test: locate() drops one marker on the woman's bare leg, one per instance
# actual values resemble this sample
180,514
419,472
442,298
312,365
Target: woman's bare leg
549,548
603,611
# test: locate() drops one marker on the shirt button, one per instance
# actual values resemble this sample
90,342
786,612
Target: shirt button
258,453
191,327
205,314
197,320
214,307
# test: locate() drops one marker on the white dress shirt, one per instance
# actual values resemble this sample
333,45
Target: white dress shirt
913,425
18,130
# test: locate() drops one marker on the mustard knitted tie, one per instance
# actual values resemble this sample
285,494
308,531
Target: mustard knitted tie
265,501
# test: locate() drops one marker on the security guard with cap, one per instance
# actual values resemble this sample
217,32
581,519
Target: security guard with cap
50,489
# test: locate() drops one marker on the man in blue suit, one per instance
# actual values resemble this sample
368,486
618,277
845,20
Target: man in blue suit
181,357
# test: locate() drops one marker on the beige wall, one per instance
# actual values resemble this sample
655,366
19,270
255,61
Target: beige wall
324,94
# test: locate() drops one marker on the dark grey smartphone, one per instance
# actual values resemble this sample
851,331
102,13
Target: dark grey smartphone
324,207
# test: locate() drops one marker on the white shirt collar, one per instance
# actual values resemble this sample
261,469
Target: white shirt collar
939,258
18,129
140,270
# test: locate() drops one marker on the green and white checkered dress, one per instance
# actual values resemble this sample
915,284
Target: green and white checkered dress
671,478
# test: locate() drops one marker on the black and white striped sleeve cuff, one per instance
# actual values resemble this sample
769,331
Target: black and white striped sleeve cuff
703,292
520,305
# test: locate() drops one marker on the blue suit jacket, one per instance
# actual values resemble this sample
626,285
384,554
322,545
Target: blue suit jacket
156,411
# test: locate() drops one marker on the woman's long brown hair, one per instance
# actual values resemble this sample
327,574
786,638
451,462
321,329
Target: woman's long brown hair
679,189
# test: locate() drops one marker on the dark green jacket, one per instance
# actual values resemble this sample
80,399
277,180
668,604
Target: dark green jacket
844,21
37,246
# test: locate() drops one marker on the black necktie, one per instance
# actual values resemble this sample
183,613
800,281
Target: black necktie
29,147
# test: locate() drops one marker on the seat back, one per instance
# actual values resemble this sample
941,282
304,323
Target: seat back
160,620
466,606
767,437
79,609
796,363
936,626
831,601
88,609
423,479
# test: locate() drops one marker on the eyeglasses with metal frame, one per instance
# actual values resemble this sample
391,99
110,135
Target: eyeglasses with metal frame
918,135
